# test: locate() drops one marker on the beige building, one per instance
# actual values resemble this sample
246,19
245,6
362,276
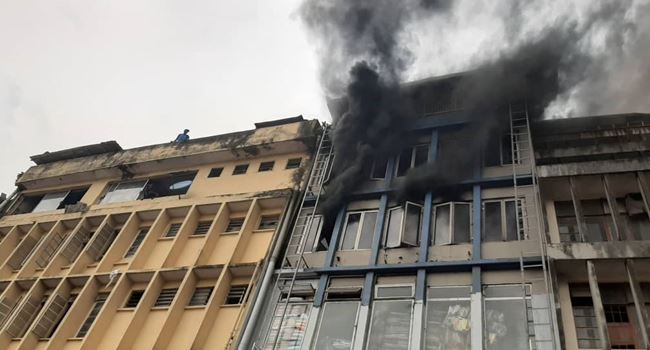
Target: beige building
160,246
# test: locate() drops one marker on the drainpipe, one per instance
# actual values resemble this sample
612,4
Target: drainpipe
9,199
285,228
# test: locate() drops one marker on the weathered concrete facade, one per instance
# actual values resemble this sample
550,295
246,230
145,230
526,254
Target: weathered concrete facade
161,246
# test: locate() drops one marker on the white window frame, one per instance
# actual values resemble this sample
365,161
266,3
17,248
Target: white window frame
434,299
452,218
392,300
114,186
322,314
50,196
305,234
402,226
504,217
413,157
359,229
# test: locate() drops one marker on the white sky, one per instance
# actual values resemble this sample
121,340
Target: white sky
79,72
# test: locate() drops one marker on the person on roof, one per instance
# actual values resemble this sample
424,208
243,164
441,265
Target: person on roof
184,137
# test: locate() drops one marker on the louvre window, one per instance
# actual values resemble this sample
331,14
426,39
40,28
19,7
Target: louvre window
50,249
166,297
215,172
240,169
134,299
266,166
202,228
25,316
268,222
142,233
201,296
235,225
7,307
102,242
76,245
173,230
23,252
294,163
58,307
236,295
94,311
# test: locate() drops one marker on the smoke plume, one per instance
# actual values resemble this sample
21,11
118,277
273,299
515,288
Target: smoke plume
567,58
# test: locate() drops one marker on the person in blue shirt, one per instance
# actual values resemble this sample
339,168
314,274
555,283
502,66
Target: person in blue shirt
184,137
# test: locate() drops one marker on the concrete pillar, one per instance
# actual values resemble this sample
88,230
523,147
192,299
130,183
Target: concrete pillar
476,320
577,207
639,303
417,326
362,327
619,227
598,306
311,328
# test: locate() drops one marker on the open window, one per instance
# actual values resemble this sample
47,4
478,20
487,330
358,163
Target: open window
175,184
359,230
411,157
47,202
403,226
378,168
124,191
451,223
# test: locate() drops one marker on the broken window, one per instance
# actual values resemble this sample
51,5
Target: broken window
337,324
294,163
390,325
451,223
410,158
500,220
266,166
47,202
506,318
359,229
403,230
240,169
215,172
448,318
170,185
378,168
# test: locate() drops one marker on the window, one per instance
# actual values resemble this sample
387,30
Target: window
390,326
499,151
383,292
359,230
201,296
142,233
378,168
166,297
410,158
294,163
124,191
47,202
102,242
235,225
337,325
175,184
172,231
402,231
202,228
616,313
134,299
268,222
266,166
240,169
448,318
451,223
293,326
23,252
50,201
76,245
50,248
567,222
500,220
215,172
236,295
312,228
508,322
100,299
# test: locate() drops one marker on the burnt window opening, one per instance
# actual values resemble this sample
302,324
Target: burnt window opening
268,222
378,168
134,299
411,157
500,220
215,172
499,151
235,225
170,185
266,166
294,163
240,169
47,202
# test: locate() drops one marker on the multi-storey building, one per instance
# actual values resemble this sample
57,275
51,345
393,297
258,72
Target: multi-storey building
538,243
161,246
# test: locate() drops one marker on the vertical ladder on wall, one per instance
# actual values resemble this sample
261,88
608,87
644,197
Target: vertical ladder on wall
529,226
294,260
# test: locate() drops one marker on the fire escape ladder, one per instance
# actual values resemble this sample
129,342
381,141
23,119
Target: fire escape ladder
294,260
539,305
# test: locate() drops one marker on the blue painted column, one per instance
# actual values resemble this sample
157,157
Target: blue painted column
331,254
476,318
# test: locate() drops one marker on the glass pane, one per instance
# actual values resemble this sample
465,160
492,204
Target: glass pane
448,325
50,201
313,232
391,325
126,191
492,227
404,161
293,327
462,214
511,222
351,229
337,326
393,228
421,155
640,226
442,232
412,224
448,292
394,291
506,326
368,230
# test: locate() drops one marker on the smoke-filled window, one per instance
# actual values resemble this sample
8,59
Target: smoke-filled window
378,168
403,226
359,229
451,223
391,318
499,151
411,157
448,318
500,220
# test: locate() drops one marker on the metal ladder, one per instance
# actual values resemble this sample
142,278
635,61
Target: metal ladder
529,222
294,260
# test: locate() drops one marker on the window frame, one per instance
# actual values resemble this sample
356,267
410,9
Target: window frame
430,300
176,225
261,219
243,220
359,229
524,299
236,170
503,206
242,298
391,300
207,300
112,187
402,226
266,166
306,235
215,172
291,165
374,165
452,223
142,231
412,159
354,323
199,223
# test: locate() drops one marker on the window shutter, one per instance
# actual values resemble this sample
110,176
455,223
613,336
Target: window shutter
201,296
411,224
51,316
236,295
94,311
100,244
6,307
50,249
23,318
76,244
442,224
22,252
394,227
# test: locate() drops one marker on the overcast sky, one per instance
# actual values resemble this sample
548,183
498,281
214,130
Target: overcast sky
79,72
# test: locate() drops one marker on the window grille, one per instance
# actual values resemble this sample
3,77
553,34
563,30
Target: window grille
269,222
236,295
266,166
294,163
235,225
240,169
52,315
215,172
94,311
166,297
102,242
201,296
50,249
142,233
76,245
173,230
202,228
